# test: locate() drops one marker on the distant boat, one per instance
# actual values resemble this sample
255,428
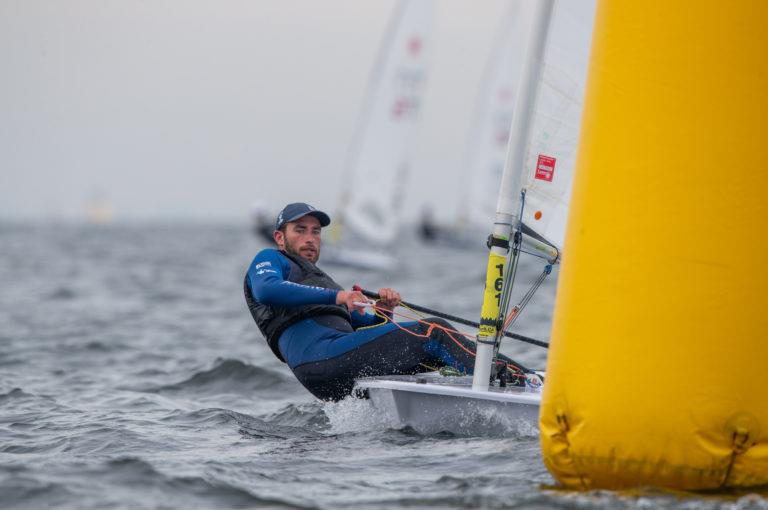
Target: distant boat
531,211
365,229
486,148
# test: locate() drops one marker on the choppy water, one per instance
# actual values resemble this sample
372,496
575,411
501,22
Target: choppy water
132,376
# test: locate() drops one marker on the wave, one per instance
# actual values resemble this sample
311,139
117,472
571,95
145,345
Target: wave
309,415
227,376
250,427
191,491
27,492
113,476
14,394
290,422
205,417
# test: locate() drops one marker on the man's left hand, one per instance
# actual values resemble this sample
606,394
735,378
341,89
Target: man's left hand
388,298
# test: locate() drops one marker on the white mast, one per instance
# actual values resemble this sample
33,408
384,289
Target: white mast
508,205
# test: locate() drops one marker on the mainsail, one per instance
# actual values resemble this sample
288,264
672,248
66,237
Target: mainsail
378,162
551,155
535,187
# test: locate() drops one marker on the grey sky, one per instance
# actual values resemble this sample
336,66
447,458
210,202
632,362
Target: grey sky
195,109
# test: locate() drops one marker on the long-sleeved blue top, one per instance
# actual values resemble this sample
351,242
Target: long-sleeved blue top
268,275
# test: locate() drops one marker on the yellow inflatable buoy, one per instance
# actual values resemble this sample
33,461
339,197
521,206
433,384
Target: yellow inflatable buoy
658,366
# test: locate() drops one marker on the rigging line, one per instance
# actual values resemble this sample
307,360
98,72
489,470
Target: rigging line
507,295
534,287
511,267
382,312
509,278
452,318
506,299
527,297
518,309
411,309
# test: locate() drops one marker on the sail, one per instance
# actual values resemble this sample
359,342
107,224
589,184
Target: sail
487,147
540,159
551,155
378,163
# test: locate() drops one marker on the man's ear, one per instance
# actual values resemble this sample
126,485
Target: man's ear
279,237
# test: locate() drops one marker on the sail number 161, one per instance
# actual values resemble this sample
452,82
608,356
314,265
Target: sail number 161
499,283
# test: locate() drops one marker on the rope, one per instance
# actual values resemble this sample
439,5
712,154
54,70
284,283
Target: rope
387,314
515,312
511,273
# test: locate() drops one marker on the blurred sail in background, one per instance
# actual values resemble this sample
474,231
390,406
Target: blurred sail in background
366,226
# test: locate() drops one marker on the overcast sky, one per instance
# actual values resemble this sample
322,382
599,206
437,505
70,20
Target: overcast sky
196,109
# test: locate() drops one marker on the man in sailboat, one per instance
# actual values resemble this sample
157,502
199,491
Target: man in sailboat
321,331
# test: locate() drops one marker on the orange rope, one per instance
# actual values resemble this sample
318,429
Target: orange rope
382,312
432,326
511,316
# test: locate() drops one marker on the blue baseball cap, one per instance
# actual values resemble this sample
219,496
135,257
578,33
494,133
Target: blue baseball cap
293,212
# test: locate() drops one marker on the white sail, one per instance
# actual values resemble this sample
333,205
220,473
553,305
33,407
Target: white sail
540,158
489,136
542,147
498,286
551,154
379,158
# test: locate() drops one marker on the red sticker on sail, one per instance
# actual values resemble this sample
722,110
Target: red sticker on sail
545,168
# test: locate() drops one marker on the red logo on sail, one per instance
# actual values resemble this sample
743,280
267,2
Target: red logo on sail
545,168
414,45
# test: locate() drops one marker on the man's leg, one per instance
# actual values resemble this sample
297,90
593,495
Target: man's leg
406,348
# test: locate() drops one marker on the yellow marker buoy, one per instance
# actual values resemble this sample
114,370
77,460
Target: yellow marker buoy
657,367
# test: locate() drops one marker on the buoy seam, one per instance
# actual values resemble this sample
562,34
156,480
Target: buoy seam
562,422
739,446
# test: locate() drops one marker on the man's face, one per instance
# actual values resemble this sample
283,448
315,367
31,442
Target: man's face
301,238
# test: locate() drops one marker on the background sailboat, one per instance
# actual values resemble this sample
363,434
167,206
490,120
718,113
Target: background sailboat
487,137
535,188
366,226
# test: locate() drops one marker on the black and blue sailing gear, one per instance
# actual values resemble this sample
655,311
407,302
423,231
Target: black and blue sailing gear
282,289
327,348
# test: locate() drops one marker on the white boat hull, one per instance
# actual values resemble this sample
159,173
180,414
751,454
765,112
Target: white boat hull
432,404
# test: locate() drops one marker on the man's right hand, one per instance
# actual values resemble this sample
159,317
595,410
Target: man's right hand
348,298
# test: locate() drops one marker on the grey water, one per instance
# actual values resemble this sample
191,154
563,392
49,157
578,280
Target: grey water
132,376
